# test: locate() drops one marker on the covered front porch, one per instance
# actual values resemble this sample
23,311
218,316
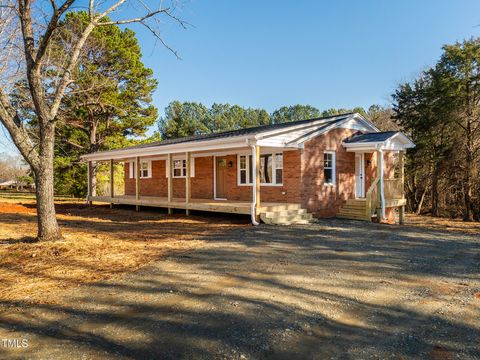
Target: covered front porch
379,176
233,207
227,181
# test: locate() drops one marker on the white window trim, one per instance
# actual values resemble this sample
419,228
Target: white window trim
149,169
334,168
132,174
192,167
274,168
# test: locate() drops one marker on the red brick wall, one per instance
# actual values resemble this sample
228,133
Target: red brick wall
302,177
202,183
320,199
288,192
154,186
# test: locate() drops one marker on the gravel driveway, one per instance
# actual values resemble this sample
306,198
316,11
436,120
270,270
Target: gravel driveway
329,290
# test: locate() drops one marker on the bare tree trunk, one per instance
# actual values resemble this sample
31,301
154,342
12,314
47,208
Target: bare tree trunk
48,228
420,203
467,184
93,148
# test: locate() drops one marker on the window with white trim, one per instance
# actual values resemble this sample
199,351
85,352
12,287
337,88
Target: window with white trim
329,167
271,169
279,168
131,169
145,169
179,168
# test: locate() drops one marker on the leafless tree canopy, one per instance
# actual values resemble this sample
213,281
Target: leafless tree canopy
30,58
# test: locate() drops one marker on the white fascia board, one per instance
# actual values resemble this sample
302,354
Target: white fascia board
367,146
218,144
404,139
389,144
366,122
275,144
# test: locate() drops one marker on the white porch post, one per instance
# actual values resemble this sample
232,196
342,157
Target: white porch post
380,170
169,164
112,181
137,183
187,182
257,182
89,183
401,210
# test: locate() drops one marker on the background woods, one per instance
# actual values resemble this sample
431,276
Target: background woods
441,112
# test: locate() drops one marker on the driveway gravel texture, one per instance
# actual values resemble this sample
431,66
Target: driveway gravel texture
333,289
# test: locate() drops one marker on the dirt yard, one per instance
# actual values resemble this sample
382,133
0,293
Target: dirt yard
125,285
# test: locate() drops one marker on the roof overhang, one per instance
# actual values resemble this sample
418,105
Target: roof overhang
291,137
396,142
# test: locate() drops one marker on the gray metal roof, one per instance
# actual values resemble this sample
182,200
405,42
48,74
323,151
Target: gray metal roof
371,137
241,132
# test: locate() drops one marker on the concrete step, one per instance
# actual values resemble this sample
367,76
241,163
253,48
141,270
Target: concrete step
296,222
280,207
285,212
287,219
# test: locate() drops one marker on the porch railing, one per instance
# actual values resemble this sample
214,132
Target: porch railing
371,199
393,189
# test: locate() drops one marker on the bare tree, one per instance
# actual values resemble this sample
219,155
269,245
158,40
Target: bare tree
31,27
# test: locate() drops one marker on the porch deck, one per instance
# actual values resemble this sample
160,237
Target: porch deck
223,206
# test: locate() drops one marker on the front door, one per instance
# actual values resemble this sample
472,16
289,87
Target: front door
221,177
359,175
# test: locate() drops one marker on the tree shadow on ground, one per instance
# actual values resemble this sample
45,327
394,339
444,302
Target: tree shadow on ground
333,289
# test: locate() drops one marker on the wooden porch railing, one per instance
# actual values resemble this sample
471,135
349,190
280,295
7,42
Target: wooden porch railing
393,189
371,199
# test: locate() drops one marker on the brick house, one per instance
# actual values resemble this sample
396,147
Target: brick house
283,173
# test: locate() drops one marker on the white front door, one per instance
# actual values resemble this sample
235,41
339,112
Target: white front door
359,175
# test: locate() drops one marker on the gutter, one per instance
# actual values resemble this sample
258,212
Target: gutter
253,209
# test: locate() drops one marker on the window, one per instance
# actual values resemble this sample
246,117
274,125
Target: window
266,169
329,167
131,169
179,168
243,169
279,168
271,169
145,169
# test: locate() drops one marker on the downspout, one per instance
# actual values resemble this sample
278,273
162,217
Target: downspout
382,191
253,211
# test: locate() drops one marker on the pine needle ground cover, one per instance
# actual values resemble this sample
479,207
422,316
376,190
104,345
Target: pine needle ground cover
99,244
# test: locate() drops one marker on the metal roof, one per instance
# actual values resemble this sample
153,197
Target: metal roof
240,132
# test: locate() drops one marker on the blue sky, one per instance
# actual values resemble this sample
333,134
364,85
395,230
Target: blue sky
270,53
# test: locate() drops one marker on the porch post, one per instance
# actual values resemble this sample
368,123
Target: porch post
170,182
401,163
187,182
112,191
89,183
379,185
137,182
257,183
